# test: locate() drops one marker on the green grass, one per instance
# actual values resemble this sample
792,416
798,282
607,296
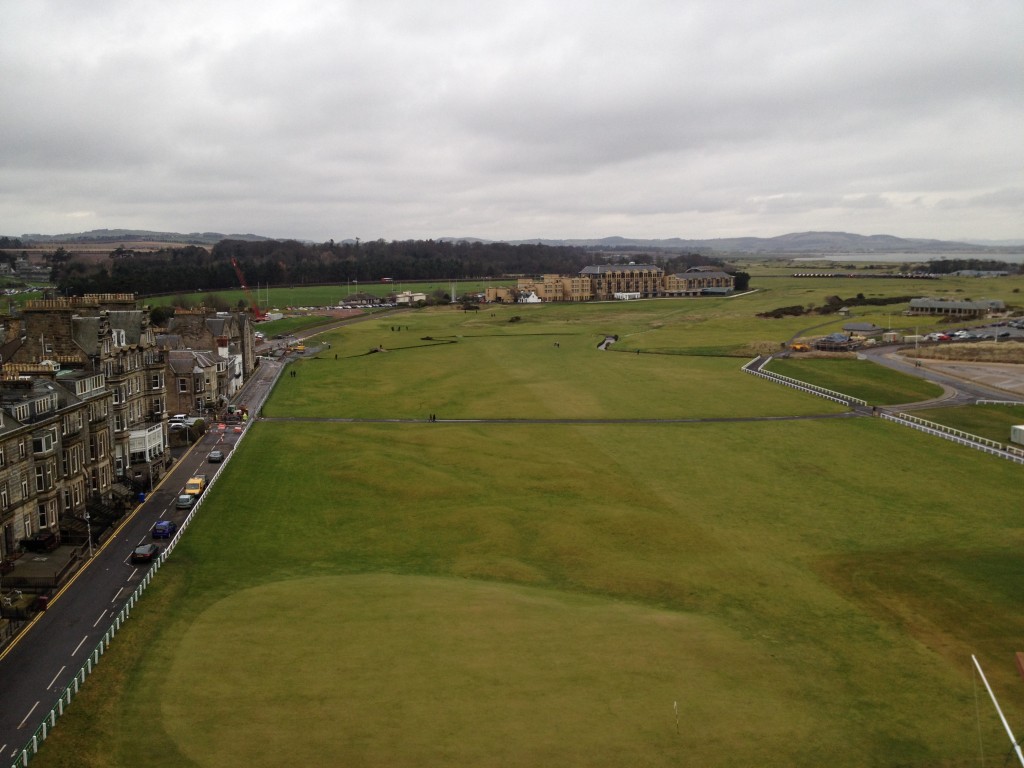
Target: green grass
807,591
991,421
290,325
858,378
326,295
468,366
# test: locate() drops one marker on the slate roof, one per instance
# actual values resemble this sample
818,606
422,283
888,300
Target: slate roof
600,269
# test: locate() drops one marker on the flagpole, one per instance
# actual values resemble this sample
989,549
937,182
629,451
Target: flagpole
1006,725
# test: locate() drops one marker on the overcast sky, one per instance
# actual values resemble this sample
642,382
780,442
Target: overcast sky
511,120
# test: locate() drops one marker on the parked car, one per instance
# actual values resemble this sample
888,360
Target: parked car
215,457
145,553
164,529
185,501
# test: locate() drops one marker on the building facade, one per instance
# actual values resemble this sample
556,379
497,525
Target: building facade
606,282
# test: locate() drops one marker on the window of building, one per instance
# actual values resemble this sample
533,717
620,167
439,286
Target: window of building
43,443
183,385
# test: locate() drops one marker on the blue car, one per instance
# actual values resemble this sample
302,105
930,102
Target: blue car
164,529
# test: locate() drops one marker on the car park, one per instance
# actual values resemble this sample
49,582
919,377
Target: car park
185,501
164,529
146,553
215,457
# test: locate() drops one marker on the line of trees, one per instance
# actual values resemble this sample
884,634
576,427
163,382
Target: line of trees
288,262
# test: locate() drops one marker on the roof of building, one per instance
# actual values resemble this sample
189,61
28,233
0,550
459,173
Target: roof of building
131,321
983,304
189,360
600,269
702,274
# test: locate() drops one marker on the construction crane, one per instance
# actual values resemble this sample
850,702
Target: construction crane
257,313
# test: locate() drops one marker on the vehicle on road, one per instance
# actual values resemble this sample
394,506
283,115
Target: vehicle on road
185,501
146,553
195,485
164,529
215,457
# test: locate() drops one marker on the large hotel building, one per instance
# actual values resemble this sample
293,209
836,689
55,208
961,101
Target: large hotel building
605,282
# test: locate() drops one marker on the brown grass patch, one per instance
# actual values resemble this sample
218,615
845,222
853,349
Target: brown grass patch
1010,351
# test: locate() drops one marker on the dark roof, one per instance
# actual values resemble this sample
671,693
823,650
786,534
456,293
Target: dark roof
598,269
691,274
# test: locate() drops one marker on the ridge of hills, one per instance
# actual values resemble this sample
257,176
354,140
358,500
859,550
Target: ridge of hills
797,242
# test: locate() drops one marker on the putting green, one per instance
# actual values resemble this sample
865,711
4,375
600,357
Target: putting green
381,669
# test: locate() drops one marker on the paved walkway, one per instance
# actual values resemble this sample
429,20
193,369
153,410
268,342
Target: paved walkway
1005,377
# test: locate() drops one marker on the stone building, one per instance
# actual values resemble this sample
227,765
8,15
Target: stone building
641,280
196,380
104,334
605,282
55,455
954,308
229,336
699,281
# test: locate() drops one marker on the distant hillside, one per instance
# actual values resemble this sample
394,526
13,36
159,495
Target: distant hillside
137,236
796,243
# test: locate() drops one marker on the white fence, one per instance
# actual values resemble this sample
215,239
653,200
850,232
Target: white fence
984,444
812,389
50,719
960,437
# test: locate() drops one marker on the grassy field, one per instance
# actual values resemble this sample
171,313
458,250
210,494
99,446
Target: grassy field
326,295
858,378
802,592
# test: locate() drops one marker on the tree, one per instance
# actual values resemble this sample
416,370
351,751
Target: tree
158,316
741,280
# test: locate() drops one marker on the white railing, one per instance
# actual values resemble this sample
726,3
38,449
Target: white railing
983,444
813,389
50,718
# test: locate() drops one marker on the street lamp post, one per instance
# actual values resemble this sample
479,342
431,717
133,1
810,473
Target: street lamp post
88,529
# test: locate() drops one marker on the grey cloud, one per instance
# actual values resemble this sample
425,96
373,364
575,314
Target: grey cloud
400,119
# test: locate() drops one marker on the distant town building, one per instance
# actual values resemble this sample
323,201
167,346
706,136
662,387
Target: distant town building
623,282
408,298
953,308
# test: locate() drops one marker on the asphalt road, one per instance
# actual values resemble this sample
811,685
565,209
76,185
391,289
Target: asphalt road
43,660
962,383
